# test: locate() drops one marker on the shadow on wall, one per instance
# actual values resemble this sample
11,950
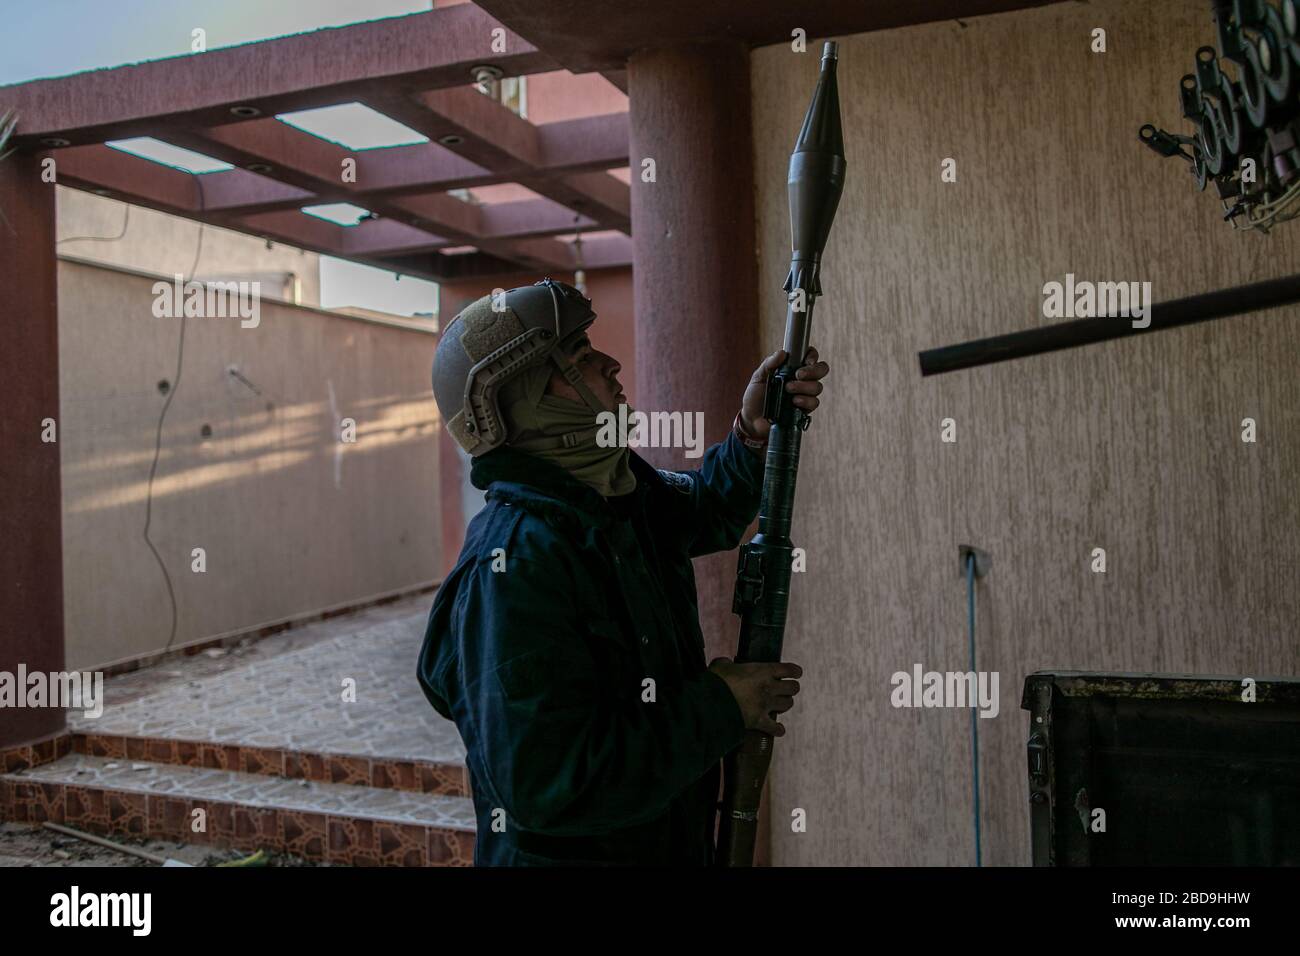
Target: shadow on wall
251,446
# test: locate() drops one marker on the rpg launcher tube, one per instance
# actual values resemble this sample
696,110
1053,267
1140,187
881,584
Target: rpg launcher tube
762,594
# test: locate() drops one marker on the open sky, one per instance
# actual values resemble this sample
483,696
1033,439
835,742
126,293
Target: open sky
57,37
44,38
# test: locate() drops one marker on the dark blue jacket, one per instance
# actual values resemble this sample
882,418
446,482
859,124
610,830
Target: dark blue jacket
541,640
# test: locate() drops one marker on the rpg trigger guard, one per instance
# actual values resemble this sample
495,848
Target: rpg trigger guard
776,396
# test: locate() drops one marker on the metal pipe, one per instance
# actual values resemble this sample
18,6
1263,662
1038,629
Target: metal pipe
1065,335
100,841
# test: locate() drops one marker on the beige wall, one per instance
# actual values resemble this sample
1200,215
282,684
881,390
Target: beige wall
292,520
1132,446
164,244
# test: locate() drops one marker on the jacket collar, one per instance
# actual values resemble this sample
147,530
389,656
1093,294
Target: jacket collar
512,474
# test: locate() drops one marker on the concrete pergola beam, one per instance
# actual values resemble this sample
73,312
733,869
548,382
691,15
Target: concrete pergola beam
605,198
415,69
492,136
240,191
596,35
300,159
422,51
105,170
529,218
407,224
606,252
296,229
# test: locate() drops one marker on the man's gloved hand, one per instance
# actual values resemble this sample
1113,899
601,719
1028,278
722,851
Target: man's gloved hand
806,388
761,690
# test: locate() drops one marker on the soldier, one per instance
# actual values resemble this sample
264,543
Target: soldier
565,643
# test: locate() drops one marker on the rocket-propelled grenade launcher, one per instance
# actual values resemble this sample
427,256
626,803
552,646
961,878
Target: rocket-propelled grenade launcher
763,578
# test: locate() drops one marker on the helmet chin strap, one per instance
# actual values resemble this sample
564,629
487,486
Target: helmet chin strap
567,369
579,436
573,375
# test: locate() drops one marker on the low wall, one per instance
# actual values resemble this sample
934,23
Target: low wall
252,470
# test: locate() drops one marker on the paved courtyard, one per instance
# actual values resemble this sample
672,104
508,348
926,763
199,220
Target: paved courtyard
287,691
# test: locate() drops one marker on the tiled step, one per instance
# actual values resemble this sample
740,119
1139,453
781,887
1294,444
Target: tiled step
392,773
332,822
278,709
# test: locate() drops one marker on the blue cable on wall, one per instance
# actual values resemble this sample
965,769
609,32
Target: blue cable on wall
974,714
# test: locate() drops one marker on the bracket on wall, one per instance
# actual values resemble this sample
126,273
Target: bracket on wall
983,560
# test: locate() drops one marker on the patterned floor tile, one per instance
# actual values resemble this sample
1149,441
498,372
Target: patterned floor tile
287,692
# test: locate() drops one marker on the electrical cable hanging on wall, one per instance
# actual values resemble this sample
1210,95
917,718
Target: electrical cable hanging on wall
162,417
121,233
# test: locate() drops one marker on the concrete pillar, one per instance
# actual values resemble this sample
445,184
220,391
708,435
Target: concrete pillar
31,518
694,268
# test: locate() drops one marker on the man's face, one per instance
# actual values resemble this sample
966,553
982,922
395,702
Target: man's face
599,373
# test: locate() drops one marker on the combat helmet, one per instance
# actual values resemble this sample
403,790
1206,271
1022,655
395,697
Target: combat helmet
493,340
